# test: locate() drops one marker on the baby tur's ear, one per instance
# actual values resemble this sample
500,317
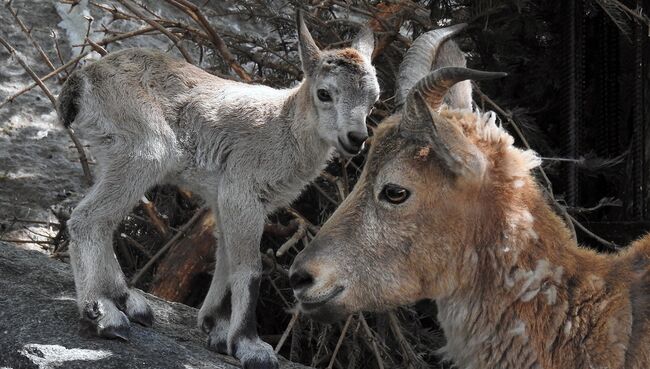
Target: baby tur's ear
308,50
364,43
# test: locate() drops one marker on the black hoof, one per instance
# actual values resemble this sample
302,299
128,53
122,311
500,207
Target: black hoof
104,319
218,345
255,354
260,363
116,332
144,318
206,325
137,309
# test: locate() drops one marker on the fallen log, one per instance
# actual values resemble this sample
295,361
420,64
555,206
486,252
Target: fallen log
193,255
187,258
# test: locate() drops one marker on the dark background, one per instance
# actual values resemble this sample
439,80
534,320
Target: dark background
578,89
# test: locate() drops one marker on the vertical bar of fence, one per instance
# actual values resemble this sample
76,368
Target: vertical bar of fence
576,81
644,106
638,131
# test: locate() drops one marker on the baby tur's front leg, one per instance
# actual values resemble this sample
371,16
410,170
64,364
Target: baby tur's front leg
241,223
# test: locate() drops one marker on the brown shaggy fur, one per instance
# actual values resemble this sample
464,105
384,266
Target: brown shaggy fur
351,55
513,290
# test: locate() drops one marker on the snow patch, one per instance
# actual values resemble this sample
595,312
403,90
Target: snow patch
74,20
41,134
65,298
53,356
19,174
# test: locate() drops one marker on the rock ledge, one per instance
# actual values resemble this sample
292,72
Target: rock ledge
39,329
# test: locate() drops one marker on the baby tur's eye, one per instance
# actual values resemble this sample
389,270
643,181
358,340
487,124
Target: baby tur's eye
323,95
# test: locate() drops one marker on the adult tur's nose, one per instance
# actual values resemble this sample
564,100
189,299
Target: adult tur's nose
300,279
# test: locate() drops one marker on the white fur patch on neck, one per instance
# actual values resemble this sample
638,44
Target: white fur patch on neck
540,280
519,329
521,230
474,340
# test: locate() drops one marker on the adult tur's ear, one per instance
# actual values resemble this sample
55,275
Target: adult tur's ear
420,120
448,143
308,50
364,43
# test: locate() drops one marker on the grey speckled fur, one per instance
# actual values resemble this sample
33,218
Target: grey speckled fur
247,150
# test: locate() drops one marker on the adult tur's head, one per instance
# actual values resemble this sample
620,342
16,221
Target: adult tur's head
424,204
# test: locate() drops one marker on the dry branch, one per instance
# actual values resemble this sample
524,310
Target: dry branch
407,351
277,290
137,245
195,13
96,47
291,242
340,341
19,220
279,230
28,33
185,259
285,334
26,241
373,341
177,42
154,217
114,11
181,233
45,78
57,47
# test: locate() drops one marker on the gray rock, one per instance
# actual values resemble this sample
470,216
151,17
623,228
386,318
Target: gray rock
39,325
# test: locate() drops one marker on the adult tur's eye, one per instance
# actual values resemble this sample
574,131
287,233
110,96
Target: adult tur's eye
323,95
394,194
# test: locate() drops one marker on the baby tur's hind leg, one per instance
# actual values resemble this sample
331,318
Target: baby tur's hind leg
105,302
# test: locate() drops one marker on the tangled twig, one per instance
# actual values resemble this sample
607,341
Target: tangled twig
154,23
195,13
181,233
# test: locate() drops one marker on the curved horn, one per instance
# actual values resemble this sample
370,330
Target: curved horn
435,85
420,57
459,95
